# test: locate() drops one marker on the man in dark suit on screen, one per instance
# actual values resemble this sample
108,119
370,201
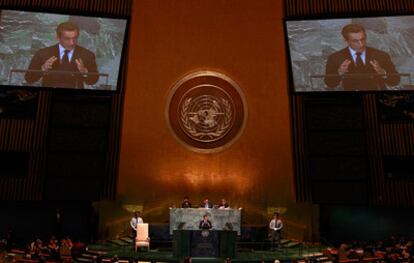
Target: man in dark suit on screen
359,67
65,64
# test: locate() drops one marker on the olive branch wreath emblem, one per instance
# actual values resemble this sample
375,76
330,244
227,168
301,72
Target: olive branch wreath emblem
191,129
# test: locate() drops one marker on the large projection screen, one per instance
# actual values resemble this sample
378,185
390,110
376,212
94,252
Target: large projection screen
28,39
388,44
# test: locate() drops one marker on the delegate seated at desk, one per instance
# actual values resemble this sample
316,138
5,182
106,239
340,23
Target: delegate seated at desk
186,202
223,204
206,204
205,224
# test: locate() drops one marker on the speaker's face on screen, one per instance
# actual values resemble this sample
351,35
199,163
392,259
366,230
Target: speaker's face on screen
68,39
357,41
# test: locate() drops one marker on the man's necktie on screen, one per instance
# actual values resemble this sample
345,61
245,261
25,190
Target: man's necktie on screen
65,58
359,62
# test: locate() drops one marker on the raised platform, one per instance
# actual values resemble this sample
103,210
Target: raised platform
243,254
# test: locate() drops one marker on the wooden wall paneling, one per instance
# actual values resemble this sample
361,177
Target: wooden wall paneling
113,7
302,182
330,7
374,150
114,131
38,152
110,180
388,139
334,134
18,135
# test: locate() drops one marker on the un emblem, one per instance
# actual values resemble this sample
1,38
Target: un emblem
206,110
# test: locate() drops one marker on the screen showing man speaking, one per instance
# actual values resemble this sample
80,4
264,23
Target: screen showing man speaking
60,50
352,54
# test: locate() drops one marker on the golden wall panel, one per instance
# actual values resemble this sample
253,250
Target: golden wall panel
245,41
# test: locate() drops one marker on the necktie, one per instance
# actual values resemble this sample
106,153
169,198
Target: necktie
65,58
359,62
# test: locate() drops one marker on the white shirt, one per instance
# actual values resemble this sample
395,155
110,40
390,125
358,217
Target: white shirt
276,224
62,52
354,55
135,221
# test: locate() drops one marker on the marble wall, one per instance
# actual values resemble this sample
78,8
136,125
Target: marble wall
312,41
189,218
23,33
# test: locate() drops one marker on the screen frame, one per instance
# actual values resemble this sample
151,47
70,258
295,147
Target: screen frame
286,19
92,14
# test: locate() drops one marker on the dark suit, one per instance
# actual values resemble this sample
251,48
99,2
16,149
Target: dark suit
361,82
206,205
55,79
186,204
205,224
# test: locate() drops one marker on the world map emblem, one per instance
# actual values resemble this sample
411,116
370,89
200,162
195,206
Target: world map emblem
206,110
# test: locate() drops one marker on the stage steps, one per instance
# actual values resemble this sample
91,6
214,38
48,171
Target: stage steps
291,244
128,240
284,241
206,260
118,242
96,252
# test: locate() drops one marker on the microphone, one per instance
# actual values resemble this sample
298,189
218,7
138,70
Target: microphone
181,225
229,226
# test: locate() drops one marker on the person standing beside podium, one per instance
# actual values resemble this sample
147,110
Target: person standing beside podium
65,64
276,226
359,67
135,220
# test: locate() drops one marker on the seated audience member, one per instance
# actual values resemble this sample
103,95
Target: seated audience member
368,252
10,239
343,252
3,253
32,248
205,224
53,247
223,204
354,254
357,251
206,204
37,249
3,243
405,255
68,242
186,202
77,249
65,250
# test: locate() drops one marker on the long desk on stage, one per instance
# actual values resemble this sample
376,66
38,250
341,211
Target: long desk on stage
189,218
220,241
